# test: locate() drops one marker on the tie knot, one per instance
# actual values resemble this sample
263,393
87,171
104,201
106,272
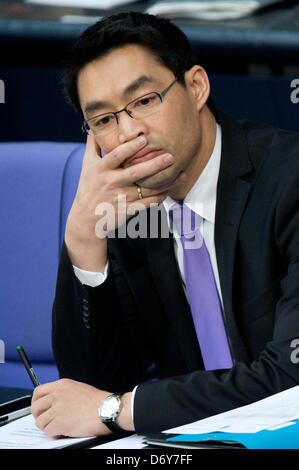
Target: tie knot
185,219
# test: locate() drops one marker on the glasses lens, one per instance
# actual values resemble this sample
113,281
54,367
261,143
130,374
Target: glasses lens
102,124
85,127
144,105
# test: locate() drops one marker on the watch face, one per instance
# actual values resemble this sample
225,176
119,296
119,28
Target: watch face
110,407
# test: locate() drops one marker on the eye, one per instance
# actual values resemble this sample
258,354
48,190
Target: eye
146,101
103,121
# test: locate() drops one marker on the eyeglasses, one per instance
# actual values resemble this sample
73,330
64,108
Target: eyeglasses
143,106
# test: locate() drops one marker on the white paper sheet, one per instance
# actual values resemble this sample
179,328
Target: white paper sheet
23,434
273,411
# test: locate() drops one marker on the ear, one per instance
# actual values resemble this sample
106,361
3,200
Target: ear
198,84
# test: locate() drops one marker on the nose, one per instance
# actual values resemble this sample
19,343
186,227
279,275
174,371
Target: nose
129,128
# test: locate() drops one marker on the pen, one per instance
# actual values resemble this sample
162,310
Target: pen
28,366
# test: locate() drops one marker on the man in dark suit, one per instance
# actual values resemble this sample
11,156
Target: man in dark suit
124,303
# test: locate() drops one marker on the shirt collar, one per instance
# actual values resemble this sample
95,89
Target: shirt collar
202,196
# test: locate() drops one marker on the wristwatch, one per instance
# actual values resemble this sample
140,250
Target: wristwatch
109,410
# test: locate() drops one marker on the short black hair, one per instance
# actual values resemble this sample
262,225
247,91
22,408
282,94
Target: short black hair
161,37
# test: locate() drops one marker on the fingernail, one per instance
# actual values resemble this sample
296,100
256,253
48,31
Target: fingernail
168,158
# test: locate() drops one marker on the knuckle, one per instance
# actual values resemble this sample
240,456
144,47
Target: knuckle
38,423
63,381
115,153
36,392
123,151
33,409
133,173
60,383
112,184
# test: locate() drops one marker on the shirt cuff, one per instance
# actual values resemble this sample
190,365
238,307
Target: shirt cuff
132,402
91,278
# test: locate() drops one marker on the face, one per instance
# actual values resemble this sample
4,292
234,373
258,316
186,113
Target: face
111,82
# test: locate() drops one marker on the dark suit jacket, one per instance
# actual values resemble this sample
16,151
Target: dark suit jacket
108,336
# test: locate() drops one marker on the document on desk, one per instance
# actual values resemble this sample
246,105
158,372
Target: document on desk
272,412
23,434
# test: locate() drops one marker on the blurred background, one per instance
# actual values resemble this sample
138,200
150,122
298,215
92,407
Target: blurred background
249,49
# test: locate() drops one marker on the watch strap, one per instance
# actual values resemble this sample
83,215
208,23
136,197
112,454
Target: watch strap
113,426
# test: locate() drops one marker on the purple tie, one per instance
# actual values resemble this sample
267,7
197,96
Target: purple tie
201,290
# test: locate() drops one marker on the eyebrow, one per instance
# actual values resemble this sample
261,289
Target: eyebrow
97,105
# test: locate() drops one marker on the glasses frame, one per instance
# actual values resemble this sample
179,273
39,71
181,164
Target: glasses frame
115,113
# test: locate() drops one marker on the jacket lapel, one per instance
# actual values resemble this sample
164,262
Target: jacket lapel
165,273
233,190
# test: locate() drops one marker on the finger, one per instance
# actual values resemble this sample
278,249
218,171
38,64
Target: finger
147,201
132,193
142,170
92,149
145,192
41,405
43,390
44,420
117,156
140,205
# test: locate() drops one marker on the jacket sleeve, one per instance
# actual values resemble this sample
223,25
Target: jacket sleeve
97,335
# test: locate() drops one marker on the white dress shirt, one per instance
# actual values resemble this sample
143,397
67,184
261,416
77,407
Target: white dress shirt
202,200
